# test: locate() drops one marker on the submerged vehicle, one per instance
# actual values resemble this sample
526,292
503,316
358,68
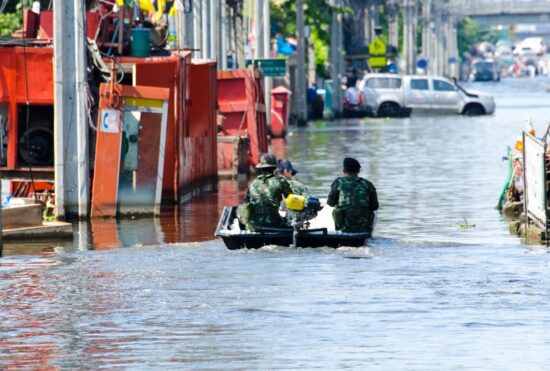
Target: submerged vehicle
296,233
390,94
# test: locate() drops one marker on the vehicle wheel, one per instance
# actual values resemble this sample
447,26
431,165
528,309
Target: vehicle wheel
474,110
388,109
39,150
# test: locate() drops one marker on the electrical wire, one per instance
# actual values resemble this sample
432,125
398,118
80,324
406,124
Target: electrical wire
3,6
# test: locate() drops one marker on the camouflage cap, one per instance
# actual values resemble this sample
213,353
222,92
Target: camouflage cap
267,161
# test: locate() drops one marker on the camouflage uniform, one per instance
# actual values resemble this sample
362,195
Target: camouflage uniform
354,200
262,199
297,187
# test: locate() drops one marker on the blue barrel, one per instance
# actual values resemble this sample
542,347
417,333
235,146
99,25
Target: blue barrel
141,42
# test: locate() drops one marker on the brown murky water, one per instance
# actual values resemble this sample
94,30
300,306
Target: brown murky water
424,294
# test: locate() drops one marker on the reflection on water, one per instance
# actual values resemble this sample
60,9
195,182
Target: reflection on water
425,293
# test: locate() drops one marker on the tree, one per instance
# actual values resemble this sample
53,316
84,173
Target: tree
318,15
467,34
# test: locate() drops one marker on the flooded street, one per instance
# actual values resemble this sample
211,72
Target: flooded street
442,285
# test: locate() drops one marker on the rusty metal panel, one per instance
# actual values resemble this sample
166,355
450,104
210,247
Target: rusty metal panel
199,161
7,74
165,73
37,65
242,104
107,159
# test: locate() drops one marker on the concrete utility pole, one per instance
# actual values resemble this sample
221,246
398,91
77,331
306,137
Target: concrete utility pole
240,37
214,26
409,36
441,42
197,29
428,38
189,28
259,29
206,30
223,32
392,9
311,73
336,60
70,122
301,81
453,47
266,43
369,20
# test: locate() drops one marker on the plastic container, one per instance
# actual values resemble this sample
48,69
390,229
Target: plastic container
295,202
6,201
519,144
140,42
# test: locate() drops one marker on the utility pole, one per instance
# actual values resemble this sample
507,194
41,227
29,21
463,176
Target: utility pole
336,61
268,81
439,51
453,47
367,10
223,33
393,24
206,30
189,28
258,30
312,75
301,81
197,29
427,32
240,37
409,36
214,26
70,146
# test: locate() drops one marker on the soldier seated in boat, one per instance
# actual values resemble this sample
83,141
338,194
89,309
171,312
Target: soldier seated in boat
288,172
354,200
263,197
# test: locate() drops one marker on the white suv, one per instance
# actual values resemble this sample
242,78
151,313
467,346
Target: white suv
388,95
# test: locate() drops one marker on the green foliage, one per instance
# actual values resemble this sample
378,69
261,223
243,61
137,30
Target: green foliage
317,15
468,34
9,23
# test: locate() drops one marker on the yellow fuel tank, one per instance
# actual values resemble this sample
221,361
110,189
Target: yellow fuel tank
295,202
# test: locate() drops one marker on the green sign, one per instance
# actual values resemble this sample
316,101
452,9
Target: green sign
270,67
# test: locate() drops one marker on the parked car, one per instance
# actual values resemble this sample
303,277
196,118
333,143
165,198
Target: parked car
388,95
536,44
485,70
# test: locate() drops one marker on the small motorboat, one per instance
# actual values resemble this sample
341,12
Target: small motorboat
234,237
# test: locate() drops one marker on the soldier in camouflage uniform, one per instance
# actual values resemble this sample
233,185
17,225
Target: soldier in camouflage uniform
264,195
354,200
287,171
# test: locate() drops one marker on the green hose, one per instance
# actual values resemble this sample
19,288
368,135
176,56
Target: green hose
508,178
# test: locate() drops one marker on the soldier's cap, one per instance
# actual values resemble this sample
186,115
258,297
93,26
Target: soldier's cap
286,165
267,161
351,165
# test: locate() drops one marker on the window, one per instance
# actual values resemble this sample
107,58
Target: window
443,86
419,84
384,83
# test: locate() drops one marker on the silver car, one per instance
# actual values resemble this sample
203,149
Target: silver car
387,95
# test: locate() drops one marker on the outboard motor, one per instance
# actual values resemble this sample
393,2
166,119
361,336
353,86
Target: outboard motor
301,209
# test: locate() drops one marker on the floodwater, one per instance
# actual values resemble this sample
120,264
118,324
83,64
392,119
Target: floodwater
442,285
